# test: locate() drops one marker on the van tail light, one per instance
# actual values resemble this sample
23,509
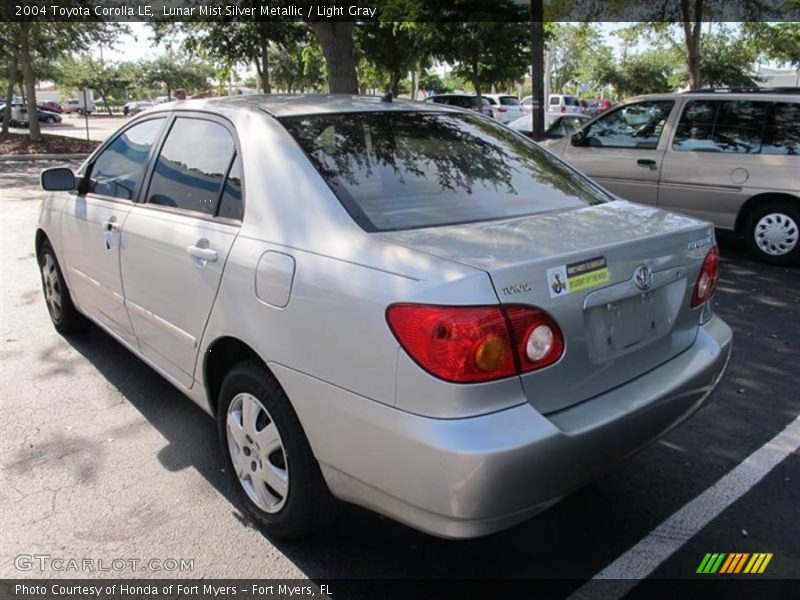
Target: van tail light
501,109
470,344
563,109
706,283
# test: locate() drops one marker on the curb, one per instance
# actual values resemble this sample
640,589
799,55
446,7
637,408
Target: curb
22,157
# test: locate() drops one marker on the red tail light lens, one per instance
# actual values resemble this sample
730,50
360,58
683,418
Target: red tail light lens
563,109
470,344
706,283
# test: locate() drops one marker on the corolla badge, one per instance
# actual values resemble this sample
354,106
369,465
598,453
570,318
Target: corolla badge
643,277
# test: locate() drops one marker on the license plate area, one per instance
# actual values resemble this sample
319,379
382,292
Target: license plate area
619,325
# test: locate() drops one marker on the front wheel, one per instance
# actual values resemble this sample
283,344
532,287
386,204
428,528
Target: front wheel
268,455
63,314
773,233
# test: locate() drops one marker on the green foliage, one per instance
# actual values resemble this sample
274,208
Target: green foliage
571,48
394,48
777,41
431,82
174,71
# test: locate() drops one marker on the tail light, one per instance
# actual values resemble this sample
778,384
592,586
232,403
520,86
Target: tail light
501,109
470,344
563,109
706,283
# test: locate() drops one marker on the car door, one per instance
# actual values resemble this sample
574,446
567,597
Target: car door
178,238
92,222
623,149
715,155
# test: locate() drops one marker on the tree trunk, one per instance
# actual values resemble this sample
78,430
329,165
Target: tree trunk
266,86
394,84
12,77
108,108
30,81
537,68
692,22
336,39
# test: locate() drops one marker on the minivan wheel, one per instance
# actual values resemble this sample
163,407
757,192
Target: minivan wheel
773,233
268,455
63,314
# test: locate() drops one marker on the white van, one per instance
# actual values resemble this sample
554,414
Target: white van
561,103
727,156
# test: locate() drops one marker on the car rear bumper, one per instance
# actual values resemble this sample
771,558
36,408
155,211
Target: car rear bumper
462,478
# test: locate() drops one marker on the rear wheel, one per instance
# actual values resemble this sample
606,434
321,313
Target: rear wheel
773,232
63,314
268,455
51,120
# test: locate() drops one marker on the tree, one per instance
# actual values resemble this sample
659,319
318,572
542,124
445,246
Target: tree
176,71
486,47
393,47
86,72
777,41
571,47
727,61
36,45
338,47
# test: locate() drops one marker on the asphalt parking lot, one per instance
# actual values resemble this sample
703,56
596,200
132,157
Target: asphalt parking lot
73,125
101,458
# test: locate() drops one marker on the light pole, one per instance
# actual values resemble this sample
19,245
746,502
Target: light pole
537,68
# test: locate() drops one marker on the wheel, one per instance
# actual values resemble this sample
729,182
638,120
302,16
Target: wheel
65,317
773,232
50,120
268,456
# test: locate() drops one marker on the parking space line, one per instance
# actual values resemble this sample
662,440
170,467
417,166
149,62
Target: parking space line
643,558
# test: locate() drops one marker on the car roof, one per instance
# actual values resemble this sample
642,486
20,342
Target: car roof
763,96
295,105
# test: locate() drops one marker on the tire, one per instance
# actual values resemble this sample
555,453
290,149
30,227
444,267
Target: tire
66,318
50,120
274,471
772,232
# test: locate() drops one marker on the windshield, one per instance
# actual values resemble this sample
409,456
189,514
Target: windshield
406,170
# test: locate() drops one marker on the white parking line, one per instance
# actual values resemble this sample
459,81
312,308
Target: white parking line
643,558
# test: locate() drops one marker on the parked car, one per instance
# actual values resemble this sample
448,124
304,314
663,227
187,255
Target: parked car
467,101
729,157
453,328
133,108
50,106
562,103
78,105
556,125
599,106
504,108
19,115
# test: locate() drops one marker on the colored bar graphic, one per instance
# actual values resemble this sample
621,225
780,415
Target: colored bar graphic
723,563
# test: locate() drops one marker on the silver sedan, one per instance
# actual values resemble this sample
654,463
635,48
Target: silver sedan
406,306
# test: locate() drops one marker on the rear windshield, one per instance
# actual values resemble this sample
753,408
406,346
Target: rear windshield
509,101
571,101
406,170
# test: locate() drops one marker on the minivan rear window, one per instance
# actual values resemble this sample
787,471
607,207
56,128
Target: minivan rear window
509,101
407,170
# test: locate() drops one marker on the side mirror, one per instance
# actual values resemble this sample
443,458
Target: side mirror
58,179
578,138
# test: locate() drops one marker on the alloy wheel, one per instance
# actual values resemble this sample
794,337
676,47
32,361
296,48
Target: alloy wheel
257,453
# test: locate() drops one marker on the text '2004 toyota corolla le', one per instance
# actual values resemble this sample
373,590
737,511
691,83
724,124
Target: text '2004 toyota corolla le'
401,305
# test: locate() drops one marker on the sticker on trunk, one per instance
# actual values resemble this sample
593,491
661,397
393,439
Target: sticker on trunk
566,279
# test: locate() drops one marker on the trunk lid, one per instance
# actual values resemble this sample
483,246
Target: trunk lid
581,266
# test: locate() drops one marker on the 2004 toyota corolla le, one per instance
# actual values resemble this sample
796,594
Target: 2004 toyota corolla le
401,305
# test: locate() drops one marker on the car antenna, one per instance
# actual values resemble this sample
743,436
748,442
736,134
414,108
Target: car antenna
386,97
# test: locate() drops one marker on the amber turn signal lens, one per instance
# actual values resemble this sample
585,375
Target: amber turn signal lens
491,353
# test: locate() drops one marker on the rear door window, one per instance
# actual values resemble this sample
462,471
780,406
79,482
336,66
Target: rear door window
405,170
721,126
192,165
782,133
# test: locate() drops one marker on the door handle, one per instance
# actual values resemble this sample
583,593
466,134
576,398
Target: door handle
112,226
647,162
204,254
